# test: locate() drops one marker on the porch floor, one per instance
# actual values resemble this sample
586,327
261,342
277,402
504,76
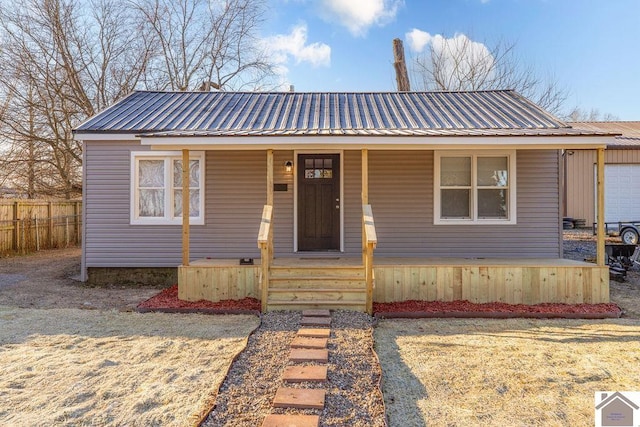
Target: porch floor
341,261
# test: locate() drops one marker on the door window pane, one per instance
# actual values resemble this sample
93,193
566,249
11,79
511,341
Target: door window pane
455,171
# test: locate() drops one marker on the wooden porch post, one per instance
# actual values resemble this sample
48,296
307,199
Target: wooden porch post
270,177
600,258
365,176
365,197
185,207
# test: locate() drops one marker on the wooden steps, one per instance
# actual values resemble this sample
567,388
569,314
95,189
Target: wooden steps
314,287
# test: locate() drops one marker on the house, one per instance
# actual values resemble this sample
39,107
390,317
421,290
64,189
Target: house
622,175
616,410
335,199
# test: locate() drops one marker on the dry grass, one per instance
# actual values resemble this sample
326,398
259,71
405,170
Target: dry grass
79,367
503,372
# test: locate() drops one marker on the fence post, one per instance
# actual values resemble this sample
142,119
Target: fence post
76,221
16,232
23,242
35,220
50,225
16,227
66,232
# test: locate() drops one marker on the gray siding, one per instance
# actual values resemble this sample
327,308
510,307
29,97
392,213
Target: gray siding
235,187
401,195
400,192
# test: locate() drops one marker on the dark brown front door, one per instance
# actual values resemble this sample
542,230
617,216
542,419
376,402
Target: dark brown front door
318,202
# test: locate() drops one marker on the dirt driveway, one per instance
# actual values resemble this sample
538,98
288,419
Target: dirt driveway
44,280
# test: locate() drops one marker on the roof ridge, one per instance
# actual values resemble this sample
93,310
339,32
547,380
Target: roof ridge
284,92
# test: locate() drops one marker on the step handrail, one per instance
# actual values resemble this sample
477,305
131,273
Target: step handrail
265,243
369,242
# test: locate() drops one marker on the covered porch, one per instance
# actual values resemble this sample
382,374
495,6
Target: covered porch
332,280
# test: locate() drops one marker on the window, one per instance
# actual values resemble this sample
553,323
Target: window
156,193
476,188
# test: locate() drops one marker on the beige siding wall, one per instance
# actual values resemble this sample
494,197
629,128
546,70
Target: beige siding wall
401,194
580,182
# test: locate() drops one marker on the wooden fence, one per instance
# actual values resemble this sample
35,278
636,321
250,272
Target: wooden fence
31,225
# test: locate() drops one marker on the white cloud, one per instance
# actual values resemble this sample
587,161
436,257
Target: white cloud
417,39
294,45
358,15
284,47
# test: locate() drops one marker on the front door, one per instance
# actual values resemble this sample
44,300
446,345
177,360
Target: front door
318,202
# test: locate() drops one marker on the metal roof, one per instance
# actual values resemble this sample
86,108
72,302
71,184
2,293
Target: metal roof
482,113
629,132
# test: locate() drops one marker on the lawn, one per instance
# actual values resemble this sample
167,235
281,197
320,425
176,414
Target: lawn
503,372
86,367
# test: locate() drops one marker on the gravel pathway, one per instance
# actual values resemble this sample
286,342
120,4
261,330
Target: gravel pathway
353,396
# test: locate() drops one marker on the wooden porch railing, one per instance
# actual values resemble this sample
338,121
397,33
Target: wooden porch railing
369,242
265,243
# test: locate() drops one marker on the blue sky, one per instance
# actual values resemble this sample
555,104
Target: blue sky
592,48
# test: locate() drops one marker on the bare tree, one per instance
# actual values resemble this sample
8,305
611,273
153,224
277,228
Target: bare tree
594,115
203,41
459,63
62,61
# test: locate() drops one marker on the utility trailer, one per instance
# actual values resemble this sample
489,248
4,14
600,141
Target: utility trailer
629,231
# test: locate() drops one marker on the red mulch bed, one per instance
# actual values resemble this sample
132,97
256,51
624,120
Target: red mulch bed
417,309
167,302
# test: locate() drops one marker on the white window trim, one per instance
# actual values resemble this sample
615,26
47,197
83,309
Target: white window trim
168,157
512,219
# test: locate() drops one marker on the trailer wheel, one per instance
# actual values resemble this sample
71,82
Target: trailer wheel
629,236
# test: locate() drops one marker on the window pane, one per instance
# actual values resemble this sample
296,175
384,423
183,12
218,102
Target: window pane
194,203
493,204
151,173
455,171
455,204
194,173
151,203
492,171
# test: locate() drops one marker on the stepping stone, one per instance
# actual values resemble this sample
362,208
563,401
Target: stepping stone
290,420
314,332
316,321
309,342
308,355
316,313
301,398
299,374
